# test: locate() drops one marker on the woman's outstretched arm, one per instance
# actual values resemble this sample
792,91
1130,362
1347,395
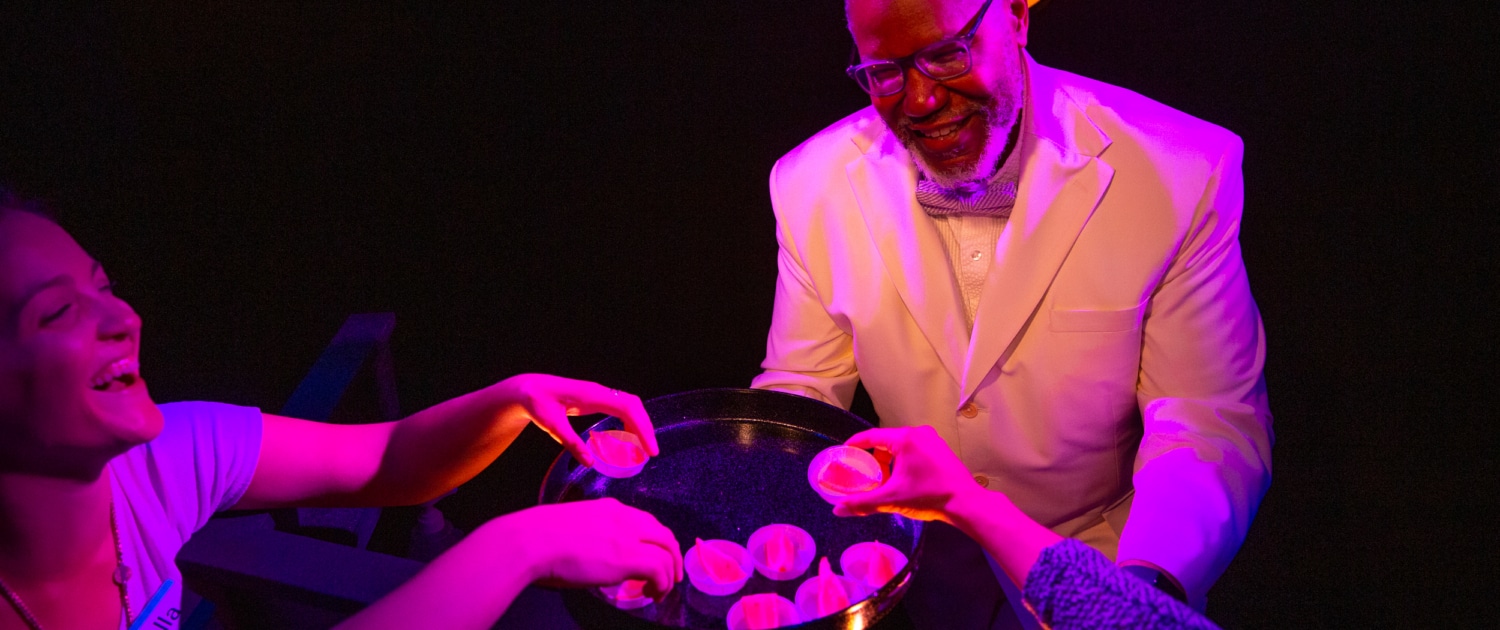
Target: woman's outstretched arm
420,457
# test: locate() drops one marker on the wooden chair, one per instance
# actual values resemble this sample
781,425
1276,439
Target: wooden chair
304,567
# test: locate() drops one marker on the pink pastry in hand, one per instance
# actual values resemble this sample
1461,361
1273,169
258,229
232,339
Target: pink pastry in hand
627,595
826,593
840,471
762,611
781,552
617,454
717,567
873,563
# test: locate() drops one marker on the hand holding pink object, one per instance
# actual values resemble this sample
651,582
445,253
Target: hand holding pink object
548,400
929,483
924,479
839,471
592,543
617,454
627,595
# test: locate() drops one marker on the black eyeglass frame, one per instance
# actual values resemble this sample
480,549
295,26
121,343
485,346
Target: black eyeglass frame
856,69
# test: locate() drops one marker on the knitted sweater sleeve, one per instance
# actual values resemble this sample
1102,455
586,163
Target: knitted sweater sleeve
1073,586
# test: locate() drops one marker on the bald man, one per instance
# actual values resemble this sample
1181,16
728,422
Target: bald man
1045,269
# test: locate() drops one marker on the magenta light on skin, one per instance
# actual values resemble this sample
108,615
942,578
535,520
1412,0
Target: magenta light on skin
872,563
827,593
781,552
617,454
840,471
761,612
718,567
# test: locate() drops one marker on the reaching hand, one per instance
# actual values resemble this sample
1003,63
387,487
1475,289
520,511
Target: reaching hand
593,543
925,475
549,400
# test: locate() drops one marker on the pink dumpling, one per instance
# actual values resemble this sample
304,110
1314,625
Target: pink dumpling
825,593
839,471
873,563
627,595
762,611
781,551
617,448
719,566
845,479
881,568
831,596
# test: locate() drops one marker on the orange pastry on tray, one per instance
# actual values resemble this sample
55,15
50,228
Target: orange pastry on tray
840,471
827,593
627,595
718,567
762,611
781,552
617,454
872,563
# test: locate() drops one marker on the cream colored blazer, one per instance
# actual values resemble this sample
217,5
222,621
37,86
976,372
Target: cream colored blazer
1112,384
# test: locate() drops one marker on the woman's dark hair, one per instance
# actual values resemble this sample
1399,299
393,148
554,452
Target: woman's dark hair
12,202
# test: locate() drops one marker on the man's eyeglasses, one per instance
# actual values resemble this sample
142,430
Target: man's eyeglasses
942,60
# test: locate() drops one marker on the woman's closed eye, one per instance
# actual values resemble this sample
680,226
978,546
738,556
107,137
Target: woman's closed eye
56,315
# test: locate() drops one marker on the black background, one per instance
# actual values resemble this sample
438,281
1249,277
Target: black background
579,188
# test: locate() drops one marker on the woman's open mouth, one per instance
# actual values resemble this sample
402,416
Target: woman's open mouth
117,376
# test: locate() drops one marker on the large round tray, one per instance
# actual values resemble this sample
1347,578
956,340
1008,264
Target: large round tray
733,460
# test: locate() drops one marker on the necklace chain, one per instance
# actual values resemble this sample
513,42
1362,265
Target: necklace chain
120,577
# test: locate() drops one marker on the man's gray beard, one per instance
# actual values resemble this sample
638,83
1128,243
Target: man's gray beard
1000,118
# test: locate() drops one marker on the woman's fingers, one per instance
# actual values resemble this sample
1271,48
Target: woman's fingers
642,525
552,417
595,398
586,397
655,566
657,534
655,554
884,439
637,421
866,503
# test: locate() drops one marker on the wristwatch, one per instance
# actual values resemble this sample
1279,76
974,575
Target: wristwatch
1157,579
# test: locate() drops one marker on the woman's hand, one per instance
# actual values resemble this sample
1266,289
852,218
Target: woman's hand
926,476
547,401
591,543
580,544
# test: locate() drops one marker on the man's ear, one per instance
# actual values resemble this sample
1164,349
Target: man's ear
1021,11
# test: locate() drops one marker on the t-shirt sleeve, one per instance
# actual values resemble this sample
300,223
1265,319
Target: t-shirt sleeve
204,459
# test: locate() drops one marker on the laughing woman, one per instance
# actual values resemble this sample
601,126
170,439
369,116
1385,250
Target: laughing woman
100,486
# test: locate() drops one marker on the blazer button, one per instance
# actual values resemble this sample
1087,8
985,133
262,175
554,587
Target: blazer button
983,481
968,410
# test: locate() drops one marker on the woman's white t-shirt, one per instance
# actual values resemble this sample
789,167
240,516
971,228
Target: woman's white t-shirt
166,489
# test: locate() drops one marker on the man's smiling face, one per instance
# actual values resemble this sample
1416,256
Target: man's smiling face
956,129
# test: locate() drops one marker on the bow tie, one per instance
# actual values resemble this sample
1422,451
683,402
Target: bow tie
992,199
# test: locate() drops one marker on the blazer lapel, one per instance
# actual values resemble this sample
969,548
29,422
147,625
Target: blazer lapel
1062,181
884,182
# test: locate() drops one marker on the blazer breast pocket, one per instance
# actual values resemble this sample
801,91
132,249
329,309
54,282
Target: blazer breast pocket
1094,320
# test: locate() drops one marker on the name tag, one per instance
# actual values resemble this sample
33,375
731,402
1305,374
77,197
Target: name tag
156,616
